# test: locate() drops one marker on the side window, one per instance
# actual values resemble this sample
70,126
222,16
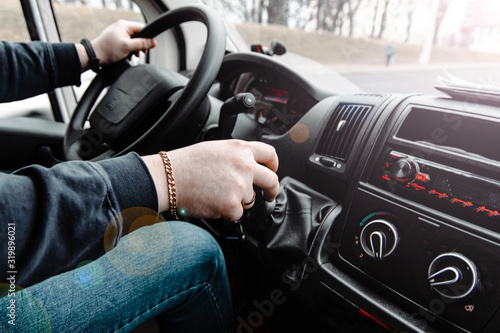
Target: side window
77,19
13,29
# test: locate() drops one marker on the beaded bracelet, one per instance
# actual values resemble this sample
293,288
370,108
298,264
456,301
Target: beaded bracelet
172,196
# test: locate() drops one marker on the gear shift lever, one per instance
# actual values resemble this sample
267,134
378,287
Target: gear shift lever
235,105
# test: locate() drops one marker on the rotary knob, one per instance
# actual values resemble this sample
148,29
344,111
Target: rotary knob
404,169
452,275
379,239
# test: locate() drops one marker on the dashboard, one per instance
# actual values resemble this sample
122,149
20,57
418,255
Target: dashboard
279,105
403,201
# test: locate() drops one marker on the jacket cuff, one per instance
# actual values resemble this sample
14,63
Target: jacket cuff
131,182
67,64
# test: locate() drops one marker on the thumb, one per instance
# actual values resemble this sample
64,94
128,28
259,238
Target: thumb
141,44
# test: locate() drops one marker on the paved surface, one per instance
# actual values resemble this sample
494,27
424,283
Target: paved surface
415,79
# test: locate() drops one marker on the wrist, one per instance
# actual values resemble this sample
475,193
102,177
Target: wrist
172,194
156,168
92,61
83,56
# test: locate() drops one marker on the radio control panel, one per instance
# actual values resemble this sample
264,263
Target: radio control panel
466,196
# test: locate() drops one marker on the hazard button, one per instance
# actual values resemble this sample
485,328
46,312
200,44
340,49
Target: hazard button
422,177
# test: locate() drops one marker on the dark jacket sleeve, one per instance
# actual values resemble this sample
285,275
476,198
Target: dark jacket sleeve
30,69
60,214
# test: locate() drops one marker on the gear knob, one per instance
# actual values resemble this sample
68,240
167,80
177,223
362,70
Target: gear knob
262,208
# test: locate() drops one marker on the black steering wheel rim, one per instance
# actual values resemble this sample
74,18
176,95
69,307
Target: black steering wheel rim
191,97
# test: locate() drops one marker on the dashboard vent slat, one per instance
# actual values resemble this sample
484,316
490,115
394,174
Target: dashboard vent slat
341,130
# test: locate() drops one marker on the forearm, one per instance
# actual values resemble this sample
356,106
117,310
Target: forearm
29,69
61,214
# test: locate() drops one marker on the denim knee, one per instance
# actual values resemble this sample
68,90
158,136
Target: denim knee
173,269
200,251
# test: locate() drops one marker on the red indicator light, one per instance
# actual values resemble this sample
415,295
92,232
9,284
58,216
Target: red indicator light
386,177
489,212
422,177
440,195
463,203
387,165
385,214
366,315
394,156
417,187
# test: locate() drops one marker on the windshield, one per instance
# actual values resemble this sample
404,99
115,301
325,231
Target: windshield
399,46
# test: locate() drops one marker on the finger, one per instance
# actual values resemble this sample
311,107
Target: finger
247,204
234,214
267,180
133,27
138,44
264,154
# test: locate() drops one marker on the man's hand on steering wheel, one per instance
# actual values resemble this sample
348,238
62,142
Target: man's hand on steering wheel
115,43
146,107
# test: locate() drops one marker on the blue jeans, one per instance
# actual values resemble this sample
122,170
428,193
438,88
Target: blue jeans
173,271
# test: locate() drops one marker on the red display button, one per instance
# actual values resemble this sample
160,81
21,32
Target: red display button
417,187
395,156
487,211
422,177
462,202
438,194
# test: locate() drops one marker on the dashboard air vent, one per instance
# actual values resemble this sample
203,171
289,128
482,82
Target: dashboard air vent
341,130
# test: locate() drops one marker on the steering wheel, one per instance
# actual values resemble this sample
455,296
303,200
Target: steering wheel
146,107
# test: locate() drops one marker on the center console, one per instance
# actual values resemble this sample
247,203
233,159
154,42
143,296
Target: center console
416,245
424,225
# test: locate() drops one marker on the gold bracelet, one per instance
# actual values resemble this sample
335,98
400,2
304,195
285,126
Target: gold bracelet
172,197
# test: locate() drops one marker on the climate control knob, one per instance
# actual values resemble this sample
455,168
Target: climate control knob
404,169
379,239
452,275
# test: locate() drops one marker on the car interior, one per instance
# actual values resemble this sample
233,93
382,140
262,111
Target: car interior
388,215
